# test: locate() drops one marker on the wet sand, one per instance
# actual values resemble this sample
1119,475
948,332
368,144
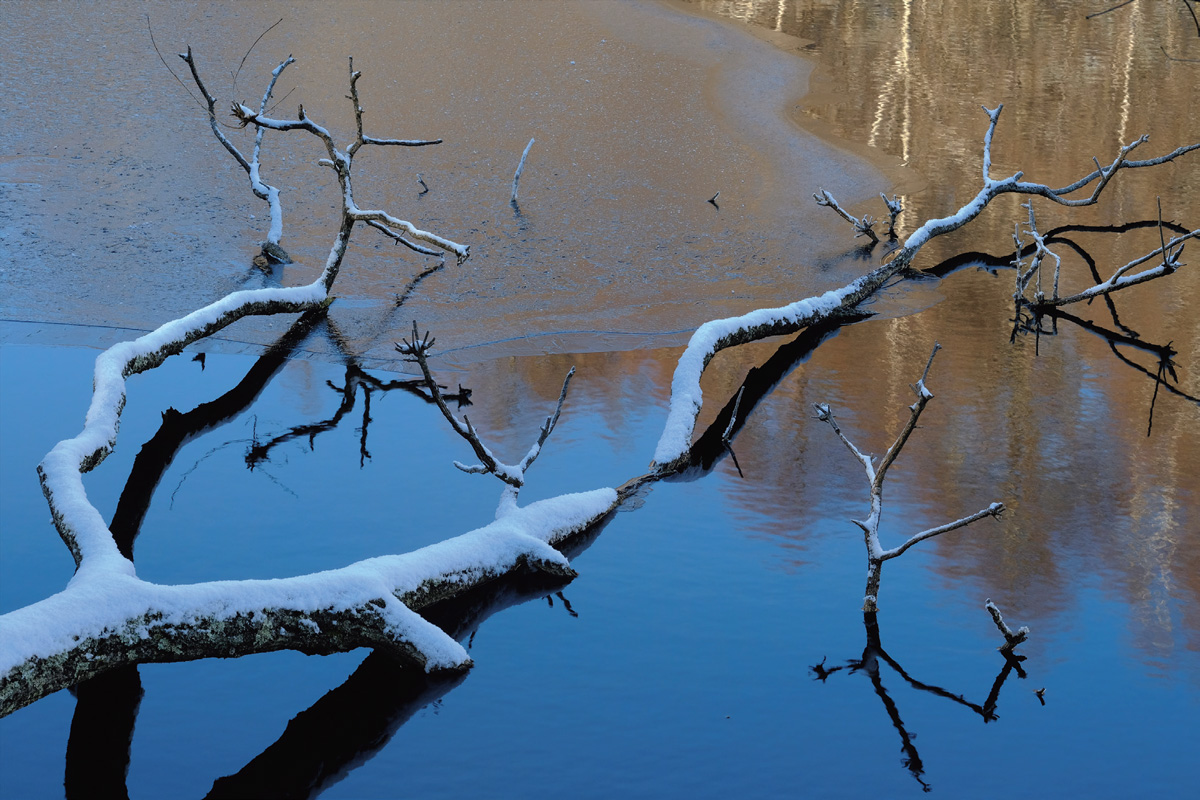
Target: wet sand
119,209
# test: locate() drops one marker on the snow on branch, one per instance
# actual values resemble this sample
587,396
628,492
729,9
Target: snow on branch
1011,639
61,472
1167,254
271,248
341,161
107,617
876,554
862,227
520,169
671,453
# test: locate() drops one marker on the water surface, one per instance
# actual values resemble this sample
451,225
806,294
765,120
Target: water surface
681,661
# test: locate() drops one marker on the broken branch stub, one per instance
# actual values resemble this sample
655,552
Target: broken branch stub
1011,639
520,169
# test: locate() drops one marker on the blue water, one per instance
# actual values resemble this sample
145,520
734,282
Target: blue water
685,669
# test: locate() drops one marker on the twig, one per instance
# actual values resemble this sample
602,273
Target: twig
517,174
1196,20
168,66
1173,58
1105,11
1011,639
1171,252
733,417
242,63
863,227
512,475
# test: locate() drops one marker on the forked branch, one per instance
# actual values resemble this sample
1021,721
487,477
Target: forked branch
876,554
341,161
686,396
271,248
511,474
1011,639
862,227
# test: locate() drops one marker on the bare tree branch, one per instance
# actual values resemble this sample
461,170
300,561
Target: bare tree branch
341,162
107,617
512,475
1170,252
876,554
862,227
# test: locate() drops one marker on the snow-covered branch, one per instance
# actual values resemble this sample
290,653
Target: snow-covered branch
876,554
1011,639
271,248
358,115
341,161
520,169
107,617
862,227
687,398
1169,252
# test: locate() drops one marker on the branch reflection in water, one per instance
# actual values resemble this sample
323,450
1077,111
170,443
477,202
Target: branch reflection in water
873,653
1028,318
351,722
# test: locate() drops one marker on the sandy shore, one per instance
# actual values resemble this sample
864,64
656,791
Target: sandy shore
119,209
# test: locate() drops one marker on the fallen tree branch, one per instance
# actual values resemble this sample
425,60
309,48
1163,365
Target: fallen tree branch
671,453
1170,252
107,617
862,227
110,618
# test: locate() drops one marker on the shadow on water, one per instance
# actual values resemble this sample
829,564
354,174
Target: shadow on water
354,721
351,722
1028,317
869,664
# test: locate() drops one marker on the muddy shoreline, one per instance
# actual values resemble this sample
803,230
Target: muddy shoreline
122,216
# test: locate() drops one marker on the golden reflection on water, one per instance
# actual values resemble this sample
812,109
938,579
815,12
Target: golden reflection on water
1054,428
1060,437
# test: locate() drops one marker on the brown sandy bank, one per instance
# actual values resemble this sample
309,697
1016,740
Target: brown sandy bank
118,207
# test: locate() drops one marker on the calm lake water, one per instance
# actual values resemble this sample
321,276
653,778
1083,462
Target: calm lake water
681,661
